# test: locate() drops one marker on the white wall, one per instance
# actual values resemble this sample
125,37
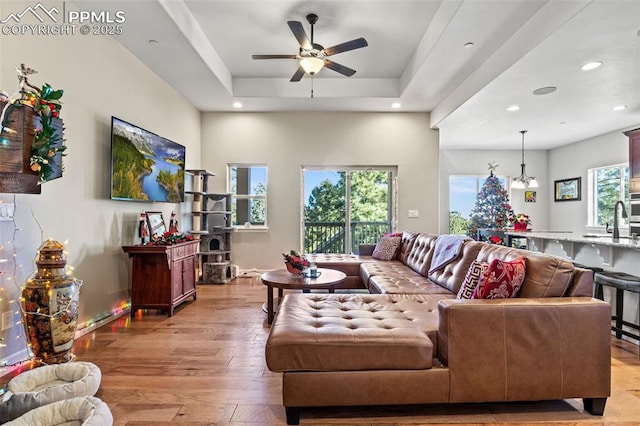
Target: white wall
574,160
475,162
286,141
100,79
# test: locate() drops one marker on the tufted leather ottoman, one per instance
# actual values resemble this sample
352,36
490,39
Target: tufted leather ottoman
352,332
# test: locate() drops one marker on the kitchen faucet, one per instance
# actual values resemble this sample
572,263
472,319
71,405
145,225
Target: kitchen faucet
616,231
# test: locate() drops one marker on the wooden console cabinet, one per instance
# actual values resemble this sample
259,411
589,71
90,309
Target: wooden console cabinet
163,276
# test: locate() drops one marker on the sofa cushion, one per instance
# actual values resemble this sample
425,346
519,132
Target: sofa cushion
351,332
547,276
347,263
502,280
421,253
379,267
385,284
472,278
387,247
408,238
452,275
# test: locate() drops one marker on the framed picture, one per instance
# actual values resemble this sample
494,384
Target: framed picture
529,196
567,189
156,224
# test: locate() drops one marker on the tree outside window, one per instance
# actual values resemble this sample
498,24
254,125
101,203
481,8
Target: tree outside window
609,184
248,187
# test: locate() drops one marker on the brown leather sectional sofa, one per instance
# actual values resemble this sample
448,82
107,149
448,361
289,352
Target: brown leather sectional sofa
412,342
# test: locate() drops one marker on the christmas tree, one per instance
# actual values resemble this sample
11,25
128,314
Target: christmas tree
492,206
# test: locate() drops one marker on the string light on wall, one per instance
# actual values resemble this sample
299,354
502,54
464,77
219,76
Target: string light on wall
523,181
9,272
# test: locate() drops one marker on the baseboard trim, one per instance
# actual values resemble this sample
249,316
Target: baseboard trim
86,329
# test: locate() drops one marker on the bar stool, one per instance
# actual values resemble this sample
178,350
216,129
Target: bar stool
621,282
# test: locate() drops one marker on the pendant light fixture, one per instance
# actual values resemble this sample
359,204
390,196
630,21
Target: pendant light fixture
523,181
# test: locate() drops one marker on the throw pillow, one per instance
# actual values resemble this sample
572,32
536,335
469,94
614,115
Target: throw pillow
502,280
387,248
475,271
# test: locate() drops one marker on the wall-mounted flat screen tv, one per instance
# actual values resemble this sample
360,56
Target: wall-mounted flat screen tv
145,166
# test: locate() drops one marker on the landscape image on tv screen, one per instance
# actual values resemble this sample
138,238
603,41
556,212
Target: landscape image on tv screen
145,166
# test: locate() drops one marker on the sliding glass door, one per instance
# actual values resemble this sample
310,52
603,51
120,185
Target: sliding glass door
345,207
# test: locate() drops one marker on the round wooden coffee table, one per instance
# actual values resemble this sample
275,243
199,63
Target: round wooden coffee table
283,280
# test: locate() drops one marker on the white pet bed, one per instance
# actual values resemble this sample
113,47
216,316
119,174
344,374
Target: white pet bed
47,384
83,411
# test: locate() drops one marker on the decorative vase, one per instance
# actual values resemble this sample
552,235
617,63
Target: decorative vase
520,226
292,269
50,306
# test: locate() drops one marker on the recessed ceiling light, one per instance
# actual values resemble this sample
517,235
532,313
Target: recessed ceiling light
591,66
545,90
396,105
237,105
468,45
619,108
153,42
513,108
563,122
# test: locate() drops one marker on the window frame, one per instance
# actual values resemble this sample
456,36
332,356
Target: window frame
393,193
235,197
592,204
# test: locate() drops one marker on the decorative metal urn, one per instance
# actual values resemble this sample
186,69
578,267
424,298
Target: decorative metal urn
50,306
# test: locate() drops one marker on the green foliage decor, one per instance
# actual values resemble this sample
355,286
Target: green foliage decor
169,238
46,141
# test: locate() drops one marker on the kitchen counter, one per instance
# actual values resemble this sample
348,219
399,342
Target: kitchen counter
600,239
571,245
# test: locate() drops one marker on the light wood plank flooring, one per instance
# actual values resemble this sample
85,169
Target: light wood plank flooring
205,366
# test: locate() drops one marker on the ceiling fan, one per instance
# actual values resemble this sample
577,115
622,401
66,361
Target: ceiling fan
313,56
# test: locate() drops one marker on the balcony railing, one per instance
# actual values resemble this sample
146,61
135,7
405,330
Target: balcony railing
330,237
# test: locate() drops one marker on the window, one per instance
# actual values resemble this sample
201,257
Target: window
344,207
606,186
247,184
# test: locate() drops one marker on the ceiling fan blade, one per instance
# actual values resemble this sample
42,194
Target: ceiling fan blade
346,46
339,68
301,35
298,75
274,56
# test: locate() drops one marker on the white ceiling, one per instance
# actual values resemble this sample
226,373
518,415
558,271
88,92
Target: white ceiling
416,56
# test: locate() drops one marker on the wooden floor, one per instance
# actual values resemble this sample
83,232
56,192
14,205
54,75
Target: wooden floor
205,366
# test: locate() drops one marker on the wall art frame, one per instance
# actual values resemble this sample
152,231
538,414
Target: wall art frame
567,189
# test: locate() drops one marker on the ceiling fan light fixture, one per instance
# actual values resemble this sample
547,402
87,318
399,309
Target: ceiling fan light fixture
311,64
